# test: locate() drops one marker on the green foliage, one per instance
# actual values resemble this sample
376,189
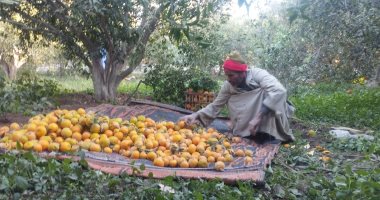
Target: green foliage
357,145
203,82
296,174
25,175
86,28
169,83
28,95
359,109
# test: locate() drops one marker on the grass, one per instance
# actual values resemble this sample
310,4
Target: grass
78,84
358,108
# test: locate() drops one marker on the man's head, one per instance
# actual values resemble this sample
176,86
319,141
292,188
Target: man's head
235,69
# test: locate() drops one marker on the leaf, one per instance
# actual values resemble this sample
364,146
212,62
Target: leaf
279,191
21,182
295,192
142,167
362,172
73,176
4,185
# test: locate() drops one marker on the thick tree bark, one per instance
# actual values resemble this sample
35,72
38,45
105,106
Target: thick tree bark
105,84
9,69
12,64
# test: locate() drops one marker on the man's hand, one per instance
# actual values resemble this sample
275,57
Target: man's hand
190,119
255,123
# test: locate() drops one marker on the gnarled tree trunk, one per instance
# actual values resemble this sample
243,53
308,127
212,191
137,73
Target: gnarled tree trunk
11,63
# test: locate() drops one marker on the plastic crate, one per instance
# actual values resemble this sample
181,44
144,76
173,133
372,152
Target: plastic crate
197,100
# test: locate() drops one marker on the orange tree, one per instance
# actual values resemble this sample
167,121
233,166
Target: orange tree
120,27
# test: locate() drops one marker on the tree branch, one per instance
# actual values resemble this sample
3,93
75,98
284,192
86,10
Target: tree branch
147,30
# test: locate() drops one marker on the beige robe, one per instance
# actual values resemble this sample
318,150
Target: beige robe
244,105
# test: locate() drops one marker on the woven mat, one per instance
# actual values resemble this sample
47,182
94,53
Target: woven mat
236,170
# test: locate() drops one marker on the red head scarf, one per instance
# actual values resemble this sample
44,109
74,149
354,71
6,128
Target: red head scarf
234,66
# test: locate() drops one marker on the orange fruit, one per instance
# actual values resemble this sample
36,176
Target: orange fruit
170,124
54,146
53,127
191,148
37,147
228,158
181,124
114,140
31,127
151,156
107,150
202,162
29,145
104,142
159,162
81,111
177,138
135,154
86,135
149,144
173,163
248,153
196,140
31,136
133,120
77,136
125,144
219,166
226,144
58,139
248,160
109,133
95,128
65,123
95,147
193,162
76,128
211,159
66,132
239,153
119,135
184,164
65,147
124,129
14,126
52,118
220,158
44,144
41,131
116,148
143,155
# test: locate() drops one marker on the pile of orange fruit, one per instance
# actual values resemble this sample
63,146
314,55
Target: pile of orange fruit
165,143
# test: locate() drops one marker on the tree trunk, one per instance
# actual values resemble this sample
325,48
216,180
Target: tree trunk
18,61
105,84
9,70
